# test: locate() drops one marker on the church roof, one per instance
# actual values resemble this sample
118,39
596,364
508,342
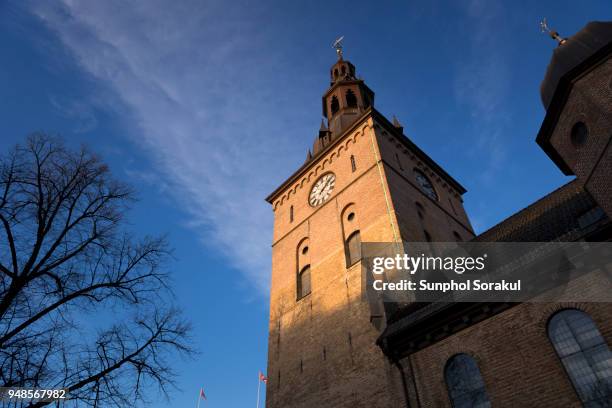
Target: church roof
587,49
571,53
556,216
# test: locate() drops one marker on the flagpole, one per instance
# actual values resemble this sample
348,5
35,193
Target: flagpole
199,398
258,386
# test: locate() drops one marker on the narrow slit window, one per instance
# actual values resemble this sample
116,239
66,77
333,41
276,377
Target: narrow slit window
399,162
353,164
452,206
420,209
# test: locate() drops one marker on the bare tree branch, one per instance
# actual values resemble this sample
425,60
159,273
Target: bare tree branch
65,258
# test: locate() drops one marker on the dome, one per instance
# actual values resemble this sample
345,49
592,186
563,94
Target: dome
579,47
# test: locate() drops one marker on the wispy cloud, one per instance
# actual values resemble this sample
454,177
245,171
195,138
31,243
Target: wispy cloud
81,113
482,81
196,94
212,110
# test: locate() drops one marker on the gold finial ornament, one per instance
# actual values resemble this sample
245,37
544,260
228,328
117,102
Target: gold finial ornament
338,46
553,34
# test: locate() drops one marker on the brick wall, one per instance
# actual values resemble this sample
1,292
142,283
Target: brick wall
323,345
517,361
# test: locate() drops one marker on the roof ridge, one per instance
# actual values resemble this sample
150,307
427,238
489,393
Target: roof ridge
527,208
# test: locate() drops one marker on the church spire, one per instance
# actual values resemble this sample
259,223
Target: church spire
343,102
347,97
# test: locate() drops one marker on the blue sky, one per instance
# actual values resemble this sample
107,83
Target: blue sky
206,106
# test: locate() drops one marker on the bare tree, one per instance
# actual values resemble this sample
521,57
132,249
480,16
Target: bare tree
67,266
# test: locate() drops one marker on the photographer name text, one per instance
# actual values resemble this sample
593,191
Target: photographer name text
450,286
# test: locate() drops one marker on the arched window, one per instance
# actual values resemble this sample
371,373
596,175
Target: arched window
351,99
336,73
335,105
353,249
353,165
585,355
343,70
466,388
303,284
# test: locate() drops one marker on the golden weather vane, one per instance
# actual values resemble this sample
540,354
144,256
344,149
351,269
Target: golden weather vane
553,34
338,46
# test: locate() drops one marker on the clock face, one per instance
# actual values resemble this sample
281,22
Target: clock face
322,189
426,185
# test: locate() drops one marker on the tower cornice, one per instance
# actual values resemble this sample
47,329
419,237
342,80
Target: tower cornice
311,163
347,82
391,129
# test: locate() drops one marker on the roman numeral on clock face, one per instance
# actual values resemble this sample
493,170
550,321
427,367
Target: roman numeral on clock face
322,189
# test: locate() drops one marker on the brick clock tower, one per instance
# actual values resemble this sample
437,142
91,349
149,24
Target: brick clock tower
363,180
